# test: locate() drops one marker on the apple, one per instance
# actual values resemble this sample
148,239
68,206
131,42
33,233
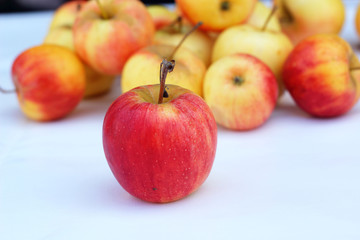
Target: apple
259,16
302,18
160,149
322,75
198,42
271,47
142,68
107,33
161,15
216,15
60,33
241,91
49,82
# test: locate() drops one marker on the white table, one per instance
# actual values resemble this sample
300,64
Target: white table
296,177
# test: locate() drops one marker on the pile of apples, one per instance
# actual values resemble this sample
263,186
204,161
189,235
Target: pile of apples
160,139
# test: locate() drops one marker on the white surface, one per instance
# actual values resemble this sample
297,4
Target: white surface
296,177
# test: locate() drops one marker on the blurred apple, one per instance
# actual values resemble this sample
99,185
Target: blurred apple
142,68
270,47
259,16
241,91
49,81
302,18
60,33
322,75
161,15
216,15
107,33
198,42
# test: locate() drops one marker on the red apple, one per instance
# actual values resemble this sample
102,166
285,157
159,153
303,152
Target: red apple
322,75
107,33
160,152
49,81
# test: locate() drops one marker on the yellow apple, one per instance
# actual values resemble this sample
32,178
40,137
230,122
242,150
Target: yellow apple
241,91
216,15
302,18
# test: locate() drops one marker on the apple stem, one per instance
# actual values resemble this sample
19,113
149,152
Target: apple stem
184,38
102,10
165,68
6,91
273,10
355,69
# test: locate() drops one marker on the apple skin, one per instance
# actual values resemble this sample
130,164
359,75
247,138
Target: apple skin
317,75
198,42
106,44
161,16
357,20
303,18
240,106
214,17
271,47
50,82
160,152
143,69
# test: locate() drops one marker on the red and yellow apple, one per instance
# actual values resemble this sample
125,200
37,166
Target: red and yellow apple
271,47
216,15
160,152
49,81
241,91
357,20
322,75
142,69
61,33
302,18
106,35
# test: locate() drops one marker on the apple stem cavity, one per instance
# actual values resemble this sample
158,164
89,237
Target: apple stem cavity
102,10
165,68
273,10
238,80
225,5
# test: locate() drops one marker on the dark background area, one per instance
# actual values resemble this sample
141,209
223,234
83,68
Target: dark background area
8,6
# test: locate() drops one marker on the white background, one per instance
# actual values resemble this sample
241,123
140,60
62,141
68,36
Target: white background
296,177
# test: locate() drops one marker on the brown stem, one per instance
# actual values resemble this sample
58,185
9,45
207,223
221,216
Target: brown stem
354,69
184,38
273,10
102,10
165,68
5,91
